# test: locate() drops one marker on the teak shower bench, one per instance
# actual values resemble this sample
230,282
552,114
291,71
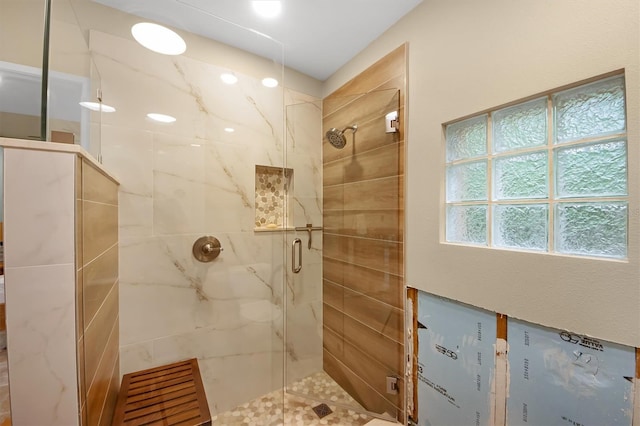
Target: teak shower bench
169,395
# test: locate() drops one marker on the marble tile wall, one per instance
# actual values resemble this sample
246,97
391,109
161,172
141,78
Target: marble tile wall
304,289
363,249
40,292
60,267
189,179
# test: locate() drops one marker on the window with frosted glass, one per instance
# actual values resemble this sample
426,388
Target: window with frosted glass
546,175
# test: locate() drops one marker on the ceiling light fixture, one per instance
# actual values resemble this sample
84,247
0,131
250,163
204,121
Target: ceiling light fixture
158,38
97,106
229,129
161,118
269,82
267,8
228,78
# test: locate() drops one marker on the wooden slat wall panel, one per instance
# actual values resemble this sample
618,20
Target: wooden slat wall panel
412,297
98,285
379,255
370,135
98,390
112,396
383,318
392,65
373,164
358,387
363,249
379,285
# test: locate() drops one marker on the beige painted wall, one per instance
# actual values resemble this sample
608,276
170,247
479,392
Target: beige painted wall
466,56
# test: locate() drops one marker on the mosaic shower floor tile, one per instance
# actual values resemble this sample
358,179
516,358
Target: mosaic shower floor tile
298,411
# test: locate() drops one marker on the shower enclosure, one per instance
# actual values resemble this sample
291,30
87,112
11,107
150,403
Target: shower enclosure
344,304
281,318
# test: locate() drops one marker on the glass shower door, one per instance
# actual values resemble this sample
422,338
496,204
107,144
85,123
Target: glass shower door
344,283
303,289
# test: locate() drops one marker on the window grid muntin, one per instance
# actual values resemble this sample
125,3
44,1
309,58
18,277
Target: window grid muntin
552,201
551,125
490,156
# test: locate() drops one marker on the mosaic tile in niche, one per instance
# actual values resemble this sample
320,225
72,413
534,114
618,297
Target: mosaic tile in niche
270,196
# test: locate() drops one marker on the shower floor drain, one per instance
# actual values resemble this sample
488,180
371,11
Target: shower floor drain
322,410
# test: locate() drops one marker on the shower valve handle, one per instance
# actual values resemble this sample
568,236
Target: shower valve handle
210,248
206,249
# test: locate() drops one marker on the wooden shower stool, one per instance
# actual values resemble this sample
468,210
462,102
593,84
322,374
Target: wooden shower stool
169,395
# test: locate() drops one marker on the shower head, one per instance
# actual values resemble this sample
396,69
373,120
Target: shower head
336,137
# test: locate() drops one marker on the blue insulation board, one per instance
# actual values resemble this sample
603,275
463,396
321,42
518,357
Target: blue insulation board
565,379
456,362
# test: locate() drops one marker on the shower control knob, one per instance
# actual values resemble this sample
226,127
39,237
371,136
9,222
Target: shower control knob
210,248
206,249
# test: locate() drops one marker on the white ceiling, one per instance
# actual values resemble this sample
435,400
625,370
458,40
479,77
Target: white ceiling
319,36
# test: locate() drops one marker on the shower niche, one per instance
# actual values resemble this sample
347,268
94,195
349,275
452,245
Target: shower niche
272,192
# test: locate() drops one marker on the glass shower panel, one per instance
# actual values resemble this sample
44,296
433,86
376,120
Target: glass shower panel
191,178
72,76
21,24
344,306
73,110
304,289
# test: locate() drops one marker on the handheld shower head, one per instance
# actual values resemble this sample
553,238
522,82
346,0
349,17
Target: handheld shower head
336,137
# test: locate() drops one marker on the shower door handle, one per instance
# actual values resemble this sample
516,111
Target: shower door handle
294,268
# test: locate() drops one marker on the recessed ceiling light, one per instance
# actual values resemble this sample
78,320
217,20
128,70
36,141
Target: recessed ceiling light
267,8
196,145
97,106
228,78
158,38
161,118
269,82
229,129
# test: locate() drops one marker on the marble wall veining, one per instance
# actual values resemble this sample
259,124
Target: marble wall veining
189,179
304,289
40,290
